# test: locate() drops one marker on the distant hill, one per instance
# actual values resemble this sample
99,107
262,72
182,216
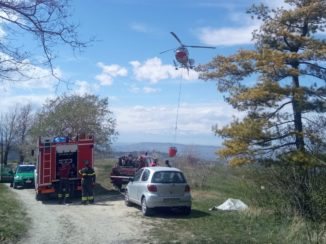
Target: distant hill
199,151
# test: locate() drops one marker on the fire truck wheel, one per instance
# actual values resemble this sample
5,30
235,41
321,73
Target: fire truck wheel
118,186
39,197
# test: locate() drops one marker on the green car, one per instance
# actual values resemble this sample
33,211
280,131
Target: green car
24,176
6,174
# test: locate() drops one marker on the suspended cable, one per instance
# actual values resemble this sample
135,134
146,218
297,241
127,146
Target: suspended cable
177,115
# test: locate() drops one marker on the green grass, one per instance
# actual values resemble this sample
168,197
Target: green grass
255,225
102,169
13,217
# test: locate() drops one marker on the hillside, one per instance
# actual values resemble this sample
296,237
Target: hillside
199,151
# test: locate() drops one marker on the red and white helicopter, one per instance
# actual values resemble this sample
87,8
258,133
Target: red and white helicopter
182,55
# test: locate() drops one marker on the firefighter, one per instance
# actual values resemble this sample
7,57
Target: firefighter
167,163
72,182
63,175
88,179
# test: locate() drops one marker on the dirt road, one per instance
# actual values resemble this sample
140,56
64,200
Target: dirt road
107,221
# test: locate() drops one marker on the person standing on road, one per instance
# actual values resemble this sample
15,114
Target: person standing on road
63,175
167,163
88,179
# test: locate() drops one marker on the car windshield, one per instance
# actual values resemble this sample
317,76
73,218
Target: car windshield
25,169
168,177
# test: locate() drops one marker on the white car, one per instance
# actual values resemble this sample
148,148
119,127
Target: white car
153,187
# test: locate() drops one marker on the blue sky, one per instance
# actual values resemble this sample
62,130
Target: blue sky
125,64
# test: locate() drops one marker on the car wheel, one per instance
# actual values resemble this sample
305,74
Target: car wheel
145,210
127,202
186,210
118,186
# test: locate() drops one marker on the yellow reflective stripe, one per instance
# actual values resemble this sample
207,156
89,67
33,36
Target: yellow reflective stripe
91,198
84,198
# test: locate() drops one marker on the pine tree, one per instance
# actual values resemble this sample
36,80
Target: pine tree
279,85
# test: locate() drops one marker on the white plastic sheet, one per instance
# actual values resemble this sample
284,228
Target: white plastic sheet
230,205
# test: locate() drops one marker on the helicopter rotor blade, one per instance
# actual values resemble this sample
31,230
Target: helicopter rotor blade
201,47
176,37
171,49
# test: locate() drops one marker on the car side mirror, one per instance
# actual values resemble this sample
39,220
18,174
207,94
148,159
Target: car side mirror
131,179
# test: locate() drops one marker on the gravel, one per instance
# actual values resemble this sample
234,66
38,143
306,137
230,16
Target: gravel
106,221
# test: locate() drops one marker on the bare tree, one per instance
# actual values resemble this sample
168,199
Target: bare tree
9,132
24,119
47,21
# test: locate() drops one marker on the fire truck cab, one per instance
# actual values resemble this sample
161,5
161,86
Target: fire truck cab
53,153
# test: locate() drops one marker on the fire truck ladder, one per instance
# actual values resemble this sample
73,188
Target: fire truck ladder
47,154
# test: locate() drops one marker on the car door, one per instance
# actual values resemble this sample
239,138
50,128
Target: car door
142,184
132,186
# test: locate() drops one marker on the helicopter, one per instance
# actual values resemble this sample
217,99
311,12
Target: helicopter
182,55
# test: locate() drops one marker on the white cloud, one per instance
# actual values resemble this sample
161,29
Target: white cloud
139,27
113,70
8,102
145,89
29,76
194,119
109,72
135,89
227,36
242,34
154,71
84,87
276,4
104,79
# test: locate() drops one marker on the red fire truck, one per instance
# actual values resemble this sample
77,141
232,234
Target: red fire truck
126,168
53,153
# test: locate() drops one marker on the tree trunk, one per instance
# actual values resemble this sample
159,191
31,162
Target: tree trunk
5,156
297,114
21,157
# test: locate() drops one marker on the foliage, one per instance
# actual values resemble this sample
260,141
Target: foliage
292,192
47,22
288,62
13,216
75,115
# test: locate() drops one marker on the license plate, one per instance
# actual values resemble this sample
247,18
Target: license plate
171,200
28,181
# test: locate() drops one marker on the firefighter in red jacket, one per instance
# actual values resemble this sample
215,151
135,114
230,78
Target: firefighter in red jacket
63,175
88,179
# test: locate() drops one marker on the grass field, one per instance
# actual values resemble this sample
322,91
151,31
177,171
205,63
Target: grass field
255,225
13,217
211,186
